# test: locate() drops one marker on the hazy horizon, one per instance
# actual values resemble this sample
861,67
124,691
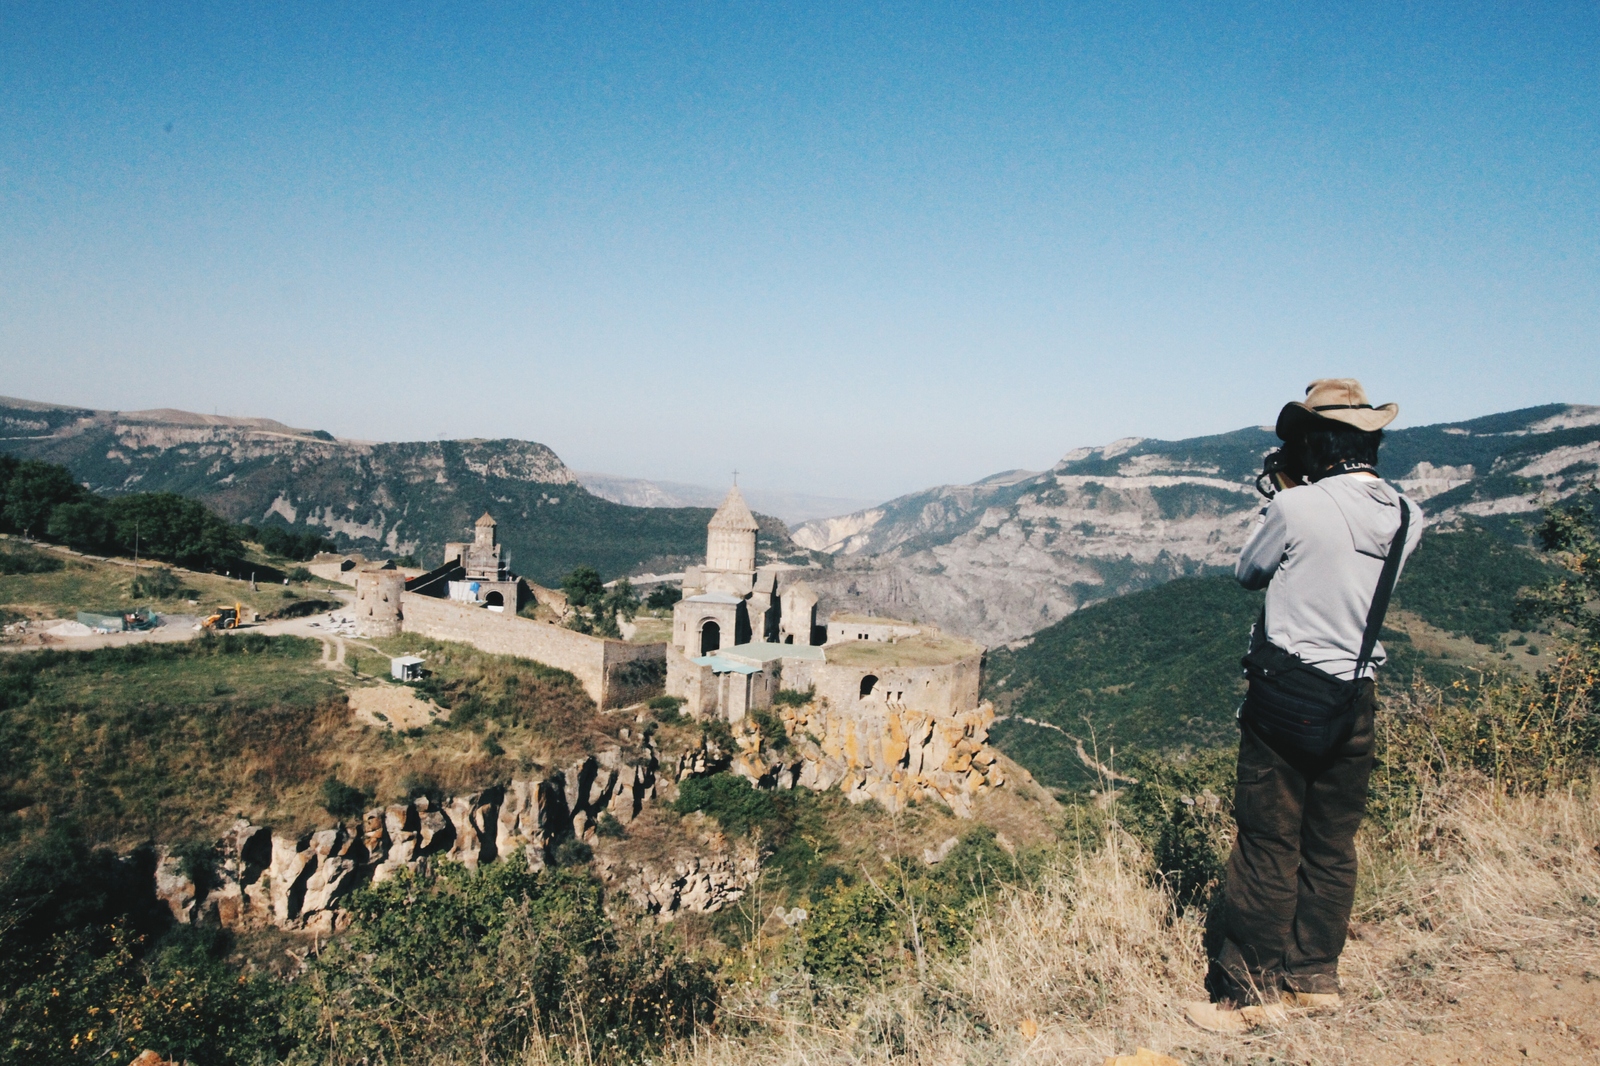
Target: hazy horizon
850,251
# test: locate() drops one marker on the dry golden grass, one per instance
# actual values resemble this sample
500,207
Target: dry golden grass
1091,959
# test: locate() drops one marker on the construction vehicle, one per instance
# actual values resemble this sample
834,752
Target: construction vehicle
226,617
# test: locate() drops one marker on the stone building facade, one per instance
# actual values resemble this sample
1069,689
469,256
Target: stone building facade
777,642
485,577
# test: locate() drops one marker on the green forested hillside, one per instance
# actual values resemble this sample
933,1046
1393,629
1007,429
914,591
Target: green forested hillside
1466,582
1158,671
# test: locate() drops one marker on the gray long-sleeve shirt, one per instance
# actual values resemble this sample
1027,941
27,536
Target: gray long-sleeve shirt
1318,550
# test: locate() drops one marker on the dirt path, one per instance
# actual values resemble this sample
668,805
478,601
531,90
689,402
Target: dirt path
1499,1016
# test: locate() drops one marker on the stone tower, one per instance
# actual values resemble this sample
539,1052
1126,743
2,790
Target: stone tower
378,602
731,536
482,557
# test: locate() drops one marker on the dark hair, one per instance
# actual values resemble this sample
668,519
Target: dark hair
1315,450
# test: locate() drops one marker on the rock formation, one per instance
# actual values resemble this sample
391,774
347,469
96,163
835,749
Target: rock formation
894,756
260,877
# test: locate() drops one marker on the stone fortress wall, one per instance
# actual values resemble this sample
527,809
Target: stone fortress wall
611,671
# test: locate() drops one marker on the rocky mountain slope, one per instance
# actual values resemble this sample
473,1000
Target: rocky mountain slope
395,498
638,492
1006,556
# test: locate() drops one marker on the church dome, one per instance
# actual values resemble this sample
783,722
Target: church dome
734,513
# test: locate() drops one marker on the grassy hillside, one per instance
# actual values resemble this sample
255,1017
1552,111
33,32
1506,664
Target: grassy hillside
159,741
49,584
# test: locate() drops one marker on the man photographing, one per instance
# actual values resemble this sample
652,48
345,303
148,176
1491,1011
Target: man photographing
1328,548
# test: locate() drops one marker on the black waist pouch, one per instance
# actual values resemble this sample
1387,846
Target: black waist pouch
1299,705
1295,703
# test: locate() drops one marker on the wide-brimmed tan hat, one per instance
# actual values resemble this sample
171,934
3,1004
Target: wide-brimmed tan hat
1336,400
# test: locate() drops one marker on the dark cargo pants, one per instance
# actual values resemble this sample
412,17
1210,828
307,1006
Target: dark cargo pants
1292,876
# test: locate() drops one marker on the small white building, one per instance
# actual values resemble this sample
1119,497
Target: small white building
405,668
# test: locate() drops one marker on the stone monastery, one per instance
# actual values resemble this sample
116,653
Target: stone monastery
892,708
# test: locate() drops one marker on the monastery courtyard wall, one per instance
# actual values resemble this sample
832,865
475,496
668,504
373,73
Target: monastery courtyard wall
612,672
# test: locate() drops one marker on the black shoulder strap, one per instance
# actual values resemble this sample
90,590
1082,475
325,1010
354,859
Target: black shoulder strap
1380,598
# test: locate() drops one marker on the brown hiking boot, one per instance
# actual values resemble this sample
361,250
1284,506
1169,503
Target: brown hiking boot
1315,1001
1215,1017
1312,991
1229,1020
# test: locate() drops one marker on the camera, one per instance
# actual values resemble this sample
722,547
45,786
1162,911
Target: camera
1276,474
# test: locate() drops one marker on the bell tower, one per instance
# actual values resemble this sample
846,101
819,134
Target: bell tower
731,536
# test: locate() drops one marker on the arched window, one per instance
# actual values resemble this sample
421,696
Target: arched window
868,683
710,638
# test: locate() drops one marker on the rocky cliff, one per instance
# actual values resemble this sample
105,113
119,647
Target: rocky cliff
1002,558
256,876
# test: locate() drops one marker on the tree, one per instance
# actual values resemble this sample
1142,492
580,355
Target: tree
85,526
621,599
1570,533
663,596
174,528
33,491
594,607
583,587
281,541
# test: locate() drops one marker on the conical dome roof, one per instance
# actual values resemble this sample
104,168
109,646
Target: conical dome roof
486,520
734,513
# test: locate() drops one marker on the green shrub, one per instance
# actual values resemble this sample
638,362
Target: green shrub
608,828
342,800
572,852
851,934
1522,735
861,930
731,800
28,561
638,679
300,574
789,697
87,979
715,731
1182,811
498,956
770,727
158,583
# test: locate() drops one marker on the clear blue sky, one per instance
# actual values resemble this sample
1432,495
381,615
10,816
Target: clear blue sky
848,249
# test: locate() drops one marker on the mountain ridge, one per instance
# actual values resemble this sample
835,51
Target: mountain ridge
1003,557
394,498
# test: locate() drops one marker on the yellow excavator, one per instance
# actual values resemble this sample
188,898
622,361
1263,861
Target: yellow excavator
226,617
